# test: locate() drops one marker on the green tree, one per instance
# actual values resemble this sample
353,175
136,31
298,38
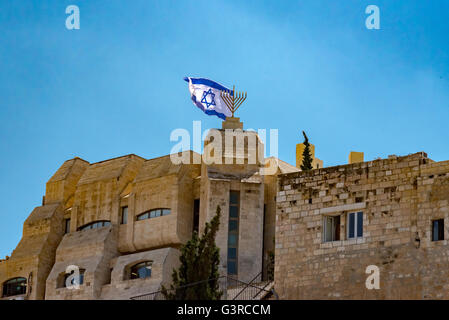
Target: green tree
197,276
306,155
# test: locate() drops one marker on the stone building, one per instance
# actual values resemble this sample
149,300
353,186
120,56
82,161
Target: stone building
120,222
333,223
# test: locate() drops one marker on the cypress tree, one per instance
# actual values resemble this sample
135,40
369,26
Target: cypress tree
306,155
200,258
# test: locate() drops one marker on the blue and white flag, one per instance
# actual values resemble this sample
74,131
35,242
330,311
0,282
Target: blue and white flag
205,95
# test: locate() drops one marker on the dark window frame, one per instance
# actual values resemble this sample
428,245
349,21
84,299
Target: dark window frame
438,229
335,225
95,225
124,215
233,249
67,225
14,287
196,215
153,213
354,222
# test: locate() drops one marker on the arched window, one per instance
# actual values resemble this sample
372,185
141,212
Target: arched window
14,287
153,213
94,225
141,270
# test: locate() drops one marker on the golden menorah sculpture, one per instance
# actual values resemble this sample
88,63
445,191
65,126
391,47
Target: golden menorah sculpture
233,101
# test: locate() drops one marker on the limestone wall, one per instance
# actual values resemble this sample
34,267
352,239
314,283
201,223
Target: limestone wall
216,192
97,195
62,184
34,255
121,287
86,193
152,194
251,230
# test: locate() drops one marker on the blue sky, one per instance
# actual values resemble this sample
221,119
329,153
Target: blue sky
115,86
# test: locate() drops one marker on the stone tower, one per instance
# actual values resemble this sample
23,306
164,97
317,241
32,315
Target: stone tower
230,178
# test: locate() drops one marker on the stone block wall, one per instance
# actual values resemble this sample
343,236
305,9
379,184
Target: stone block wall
62,184
399,198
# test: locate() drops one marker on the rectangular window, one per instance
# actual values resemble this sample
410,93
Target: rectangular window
233,232
355,225
331,228
351,223
196,214
124,218
438,230
67,226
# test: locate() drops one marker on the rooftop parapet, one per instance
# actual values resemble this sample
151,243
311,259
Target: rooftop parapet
415,159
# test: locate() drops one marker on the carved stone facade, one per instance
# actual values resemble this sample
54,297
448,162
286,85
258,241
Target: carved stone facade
122,221
106,218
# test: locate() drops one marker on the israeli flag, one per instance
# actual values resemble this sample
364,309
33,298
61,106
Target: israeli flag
205,95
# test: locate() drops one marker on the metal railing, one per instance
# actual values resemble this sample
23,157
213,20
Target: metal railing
247,285
231,290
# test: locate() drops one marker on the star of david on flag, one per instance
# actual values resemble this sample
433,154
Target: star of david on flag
212,96
205,95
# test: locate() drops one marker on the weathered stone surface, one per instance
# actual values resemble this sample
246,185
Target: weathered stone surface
87,193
